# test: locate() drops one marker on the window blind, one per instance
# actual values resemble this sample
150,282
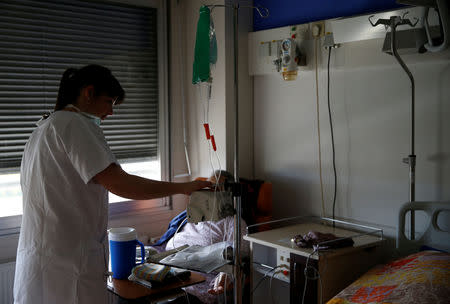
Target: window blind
39,40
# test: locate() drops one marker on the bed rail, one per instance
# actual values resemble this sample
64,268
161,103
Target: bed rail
433,236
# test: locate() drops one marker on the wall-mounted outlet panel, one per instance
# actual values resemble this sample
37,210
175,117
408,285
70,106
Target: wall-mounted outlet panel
321,28
283,260
300,31
264,47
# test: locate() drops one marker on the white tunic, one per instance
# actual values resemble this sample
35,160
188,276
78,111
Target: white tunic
62,253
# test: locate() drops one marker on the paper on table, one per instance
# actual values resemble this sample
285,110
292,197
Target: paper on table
200,258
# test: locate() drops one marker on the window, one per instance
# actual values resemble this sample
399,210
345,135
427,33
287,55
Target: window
41,38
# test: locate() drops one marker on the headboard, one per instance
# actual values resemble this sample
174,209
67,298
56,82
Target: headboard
433,236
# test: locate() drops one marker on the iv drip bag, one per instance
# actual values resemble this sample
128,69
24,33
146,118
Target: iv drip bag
205,52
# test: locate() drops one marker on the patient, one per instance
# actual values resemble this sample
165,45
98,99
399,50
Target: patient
207,233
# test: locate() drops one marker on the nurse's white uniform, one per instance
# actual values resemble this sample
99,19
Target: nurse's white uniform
62,254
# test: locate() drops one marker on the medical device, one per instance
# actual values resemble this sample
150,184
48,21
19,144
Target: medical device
289,58
431,33
205,52
204,55
393,22
441,6
209,206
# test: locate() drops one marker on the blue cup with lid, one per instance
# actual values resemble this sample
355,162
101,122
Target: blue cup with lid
122,248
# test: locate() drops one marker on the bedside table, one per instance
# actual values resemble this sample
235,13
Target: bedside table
337,268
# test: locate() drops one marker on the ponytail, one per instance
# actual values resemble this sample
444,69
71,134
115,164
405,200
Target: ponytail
73,80
67,92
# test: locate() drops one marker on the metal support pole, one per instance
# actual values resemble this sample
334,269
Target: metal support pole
237,265
237,271
411,159
393,22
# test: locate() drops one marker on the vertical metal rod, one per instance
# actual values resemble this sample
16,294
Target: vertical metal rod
183,96
237,199
411,160
251,273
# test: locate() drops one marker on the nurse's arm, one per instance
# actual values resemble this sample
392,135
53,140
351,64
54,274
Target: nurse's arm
119,182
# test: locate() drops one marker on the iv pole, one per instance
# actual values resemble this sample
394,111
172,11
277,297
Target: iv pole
393,22
237,267
237,291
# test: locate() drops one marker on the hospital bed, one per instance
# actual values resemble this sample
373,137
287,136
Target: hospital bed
420,276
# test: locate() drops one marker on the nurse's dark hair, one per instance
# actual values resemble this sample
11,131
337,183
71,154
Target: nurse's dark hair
73,80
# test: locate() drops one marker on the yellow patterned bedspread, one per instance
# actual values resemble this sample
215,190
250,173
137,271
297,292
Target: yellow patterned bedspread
422,277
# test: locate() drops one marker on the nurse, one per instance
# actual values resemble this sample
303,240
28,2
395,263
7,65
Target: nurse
66,173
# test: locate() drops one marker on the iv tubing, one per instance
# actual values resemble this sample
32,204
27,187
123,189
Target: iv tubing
206,113
237,292
173,238
209,130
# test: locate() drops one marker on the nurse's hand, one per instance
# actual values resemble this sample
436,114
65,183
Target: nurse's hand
197,185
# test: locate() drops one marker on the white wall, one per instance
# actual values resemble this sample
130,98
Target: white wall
370,102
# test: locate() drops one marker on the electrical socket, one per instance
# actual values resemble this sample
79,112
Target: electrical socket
283,257
321,25
283,262
301,31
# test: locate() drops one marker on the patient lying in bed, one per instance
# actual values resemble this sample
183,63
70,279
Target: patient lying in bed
204,234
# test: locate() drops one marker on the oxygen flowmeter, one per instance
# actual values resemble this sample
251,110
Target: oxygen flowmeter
289,58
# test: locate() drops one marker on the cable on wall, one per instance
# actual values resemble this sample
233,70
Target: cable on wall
318,123
332,132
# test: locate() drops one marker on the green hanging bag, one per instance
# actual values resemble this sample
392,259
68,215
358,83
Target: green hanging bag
201,69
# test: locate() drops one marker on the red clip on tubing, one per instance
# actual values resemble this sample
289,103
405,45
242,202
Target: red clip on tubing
208,135
213,142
